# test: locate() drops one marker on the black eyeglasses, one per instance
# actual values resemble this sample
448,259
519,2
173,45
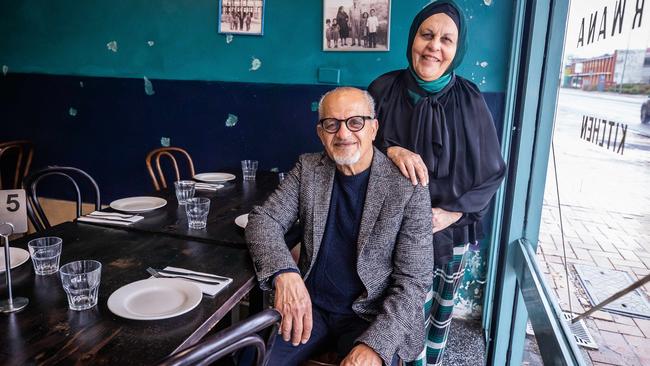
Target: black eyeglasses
354,123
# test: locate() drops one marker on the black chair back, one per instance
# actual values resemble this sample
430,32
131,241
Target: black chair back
235,337
15,158
34,208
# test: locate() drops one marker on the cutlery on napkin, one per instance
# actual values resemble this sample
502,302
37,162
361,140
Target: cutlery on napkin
207,289
207,186
195,274
184,276
110,218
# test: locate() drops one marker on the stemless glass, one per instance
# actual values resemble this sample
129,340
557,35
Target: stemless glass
249,168
184,190
45,253
197,212
81,283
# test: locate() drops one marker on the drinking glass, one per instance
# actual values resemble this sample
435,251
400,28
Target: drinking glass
184,190
45,253
197,212
249,168
81,283
282,176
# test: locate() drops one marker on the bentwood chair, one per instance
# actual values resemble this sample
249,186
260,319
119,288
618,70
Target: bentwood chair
231,339
171,153
34,208
15,158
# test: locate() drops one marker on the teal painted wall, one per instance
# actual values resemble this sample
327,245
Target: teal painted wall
69,37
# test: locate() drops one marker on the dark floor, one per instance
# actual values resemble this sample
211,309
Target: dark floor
466,345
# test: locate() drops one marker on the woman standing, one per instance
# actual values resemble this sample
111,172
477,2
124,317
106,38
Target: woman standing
435,126
344,29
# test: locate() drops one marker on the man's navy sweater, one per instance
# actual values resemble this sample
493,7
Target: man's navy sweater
334,283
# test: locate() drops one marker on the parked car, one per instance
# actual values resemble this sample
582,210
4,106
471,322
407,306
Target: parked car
645,111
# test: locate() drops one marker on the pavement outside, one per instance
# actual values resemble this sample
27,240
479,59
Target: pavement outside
605,201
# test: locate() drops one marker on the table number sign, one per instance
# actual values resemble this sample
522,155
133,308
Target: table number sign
13,209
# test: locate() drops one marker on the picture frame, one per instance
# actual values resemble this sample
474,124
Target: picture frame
356,25
241,17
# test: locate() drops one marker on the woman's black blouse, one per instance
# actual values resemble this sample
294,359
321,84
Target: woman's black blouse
454,133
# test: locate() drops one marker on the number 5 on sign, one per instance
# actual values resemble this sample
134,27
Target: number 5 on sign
13,209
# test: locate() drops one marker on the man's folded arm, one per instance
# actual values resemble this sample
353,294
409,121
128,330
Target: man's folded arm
267,225
401,319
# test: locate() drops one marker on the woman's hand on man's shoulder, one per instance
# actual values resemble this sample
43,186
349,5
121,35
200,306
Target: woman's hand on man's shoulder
410,164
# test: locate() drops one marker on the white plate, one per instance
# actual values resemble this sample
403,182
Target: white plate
242,221
17,256
138,204
154,298
214,177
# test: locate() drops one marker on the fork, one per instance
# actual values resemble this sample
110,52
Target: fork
157,274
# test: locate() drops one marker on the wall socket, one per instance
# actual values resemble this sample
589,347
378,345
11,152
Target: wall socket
329,75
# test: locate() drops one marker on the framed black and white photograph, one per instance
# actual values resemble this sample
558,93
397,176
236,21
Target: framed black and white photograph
241,17
356,25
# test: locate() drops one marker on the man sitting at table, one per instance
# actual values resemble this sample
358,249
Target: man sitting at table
367,256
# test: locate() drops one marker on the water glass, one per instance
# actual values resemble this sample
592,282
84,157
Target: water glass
249,168
282,176
184,190
81,283
197,212
45,253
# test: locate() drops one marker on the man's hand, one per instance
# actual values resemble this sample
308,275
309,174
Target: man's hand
293,302
362,355
442,219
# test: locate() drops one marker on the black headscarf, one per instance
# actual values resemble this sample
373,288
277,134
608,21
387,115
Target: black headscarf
452,130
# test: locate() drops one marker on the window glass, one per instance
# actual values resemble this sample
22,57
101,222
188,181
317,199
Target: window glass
597,230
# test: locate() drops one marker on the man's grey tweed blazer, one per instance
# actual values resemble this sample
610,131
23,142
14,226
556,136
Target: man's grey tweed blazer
394,249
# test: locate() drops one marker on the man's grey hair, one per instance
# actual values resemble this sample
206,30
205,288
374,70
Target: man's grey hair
369,100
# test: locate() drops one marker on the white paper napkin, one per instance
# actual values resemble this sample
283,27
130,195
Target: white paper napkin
210,290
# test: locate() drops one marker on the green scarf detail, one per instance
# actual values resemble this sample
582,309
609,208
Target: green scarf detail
432,87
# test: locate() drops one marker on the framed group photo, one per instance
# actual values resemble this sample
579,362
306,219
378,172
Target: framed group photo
356,25
241,17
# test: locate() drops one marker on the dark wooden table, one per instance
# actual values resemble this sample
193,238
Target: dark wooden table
47,333
237,197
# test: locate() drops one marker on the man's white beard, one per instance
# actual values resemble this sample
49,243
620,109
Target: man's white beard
348,160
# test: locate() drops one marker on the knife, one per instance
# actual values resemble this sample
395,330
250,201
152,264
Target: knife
109,219
211,276
157,274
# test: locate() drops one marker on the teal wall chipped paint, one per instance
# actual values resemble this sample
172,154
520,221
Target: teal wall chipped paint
70,38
